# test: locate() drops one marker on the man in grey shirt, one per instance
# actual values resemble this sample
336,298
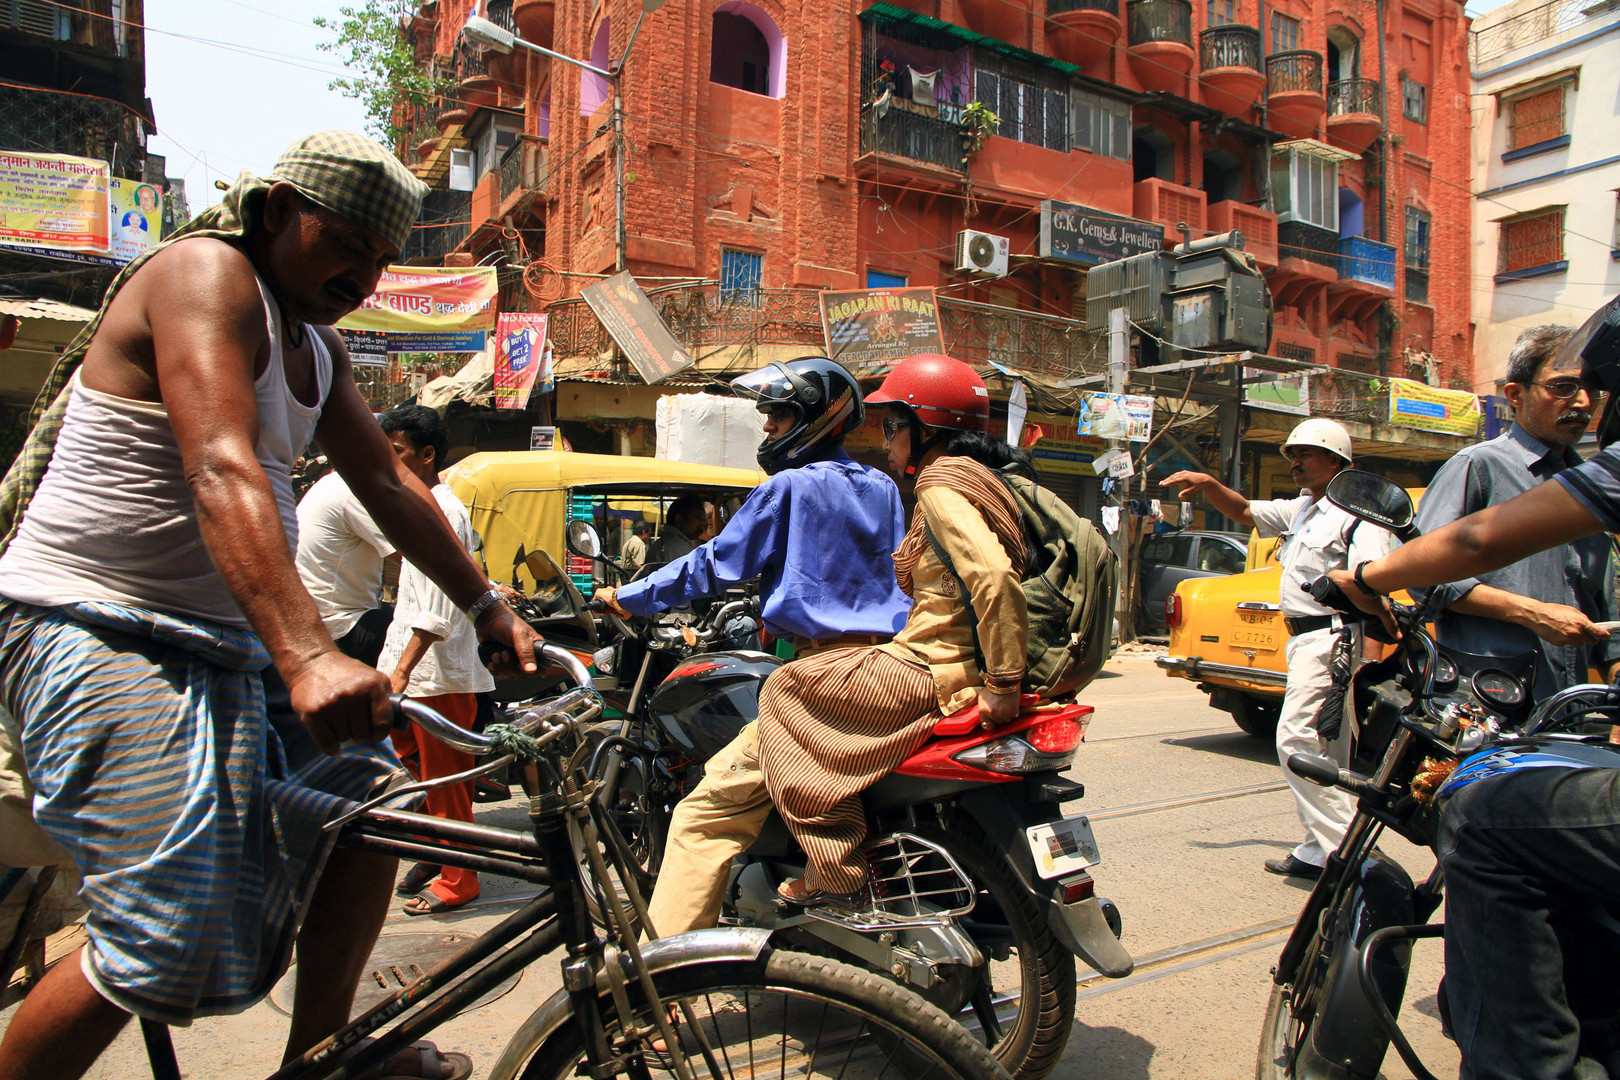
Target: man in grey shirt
1549,601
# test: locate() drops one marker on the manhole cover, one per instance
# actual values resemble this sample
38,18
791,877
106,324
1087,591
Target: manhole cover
397,961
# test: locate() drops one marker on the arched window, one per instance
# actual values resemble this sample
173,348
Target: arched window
593,89
747,50
1343,55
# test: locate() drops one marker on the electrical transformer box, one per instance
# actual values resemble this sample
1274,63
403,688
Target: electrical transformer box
1207,295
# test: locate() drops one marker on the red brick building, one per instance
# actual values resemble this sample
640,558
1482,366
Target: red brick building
815,144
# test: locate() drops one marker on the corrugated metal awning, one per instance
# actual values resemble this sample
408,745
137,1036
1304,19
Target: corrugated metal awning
45,309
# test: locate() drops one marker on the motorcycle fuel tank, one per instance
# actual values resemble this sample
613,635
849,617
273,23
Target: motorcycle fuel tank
705,702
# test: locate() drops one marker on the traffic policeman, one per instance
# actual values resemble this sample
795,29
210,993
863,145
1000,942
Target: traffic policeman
1314,537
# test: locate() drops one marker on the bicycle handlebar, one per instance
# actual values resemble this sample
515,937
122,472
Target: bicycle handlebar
470,742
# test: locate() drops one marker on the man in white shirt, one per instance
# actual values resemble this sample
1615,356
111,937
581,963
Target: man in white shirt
431,655
1316,537
340,561
634,556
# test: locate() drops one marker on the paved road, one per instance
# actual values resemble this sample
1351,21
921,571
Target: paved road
1185,809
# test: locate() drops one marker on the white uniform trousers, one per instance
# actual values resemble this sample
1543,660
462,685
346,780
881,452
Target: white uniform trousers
1324,812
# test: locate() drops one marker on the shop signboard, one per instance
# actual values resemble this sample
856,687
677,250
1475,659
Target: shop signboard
367,348
637,327
1115,416
55,202
1061,450
522,360
429,300
869,329
1081,235
1498,414
1433,408
454,341
1277,391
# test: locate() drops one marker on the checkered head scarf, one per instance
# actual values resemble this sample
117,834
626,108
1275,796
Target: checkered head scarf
346,173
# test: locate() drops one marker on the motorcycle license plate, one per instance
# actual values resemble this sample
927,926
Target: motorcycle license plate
1062,847
1257,628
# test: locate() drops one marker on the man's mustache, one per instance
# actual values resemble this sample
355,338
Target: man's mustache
1576,416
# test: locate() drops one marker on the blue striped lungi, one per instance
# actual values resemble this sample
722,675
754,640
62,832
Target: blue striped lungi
168,762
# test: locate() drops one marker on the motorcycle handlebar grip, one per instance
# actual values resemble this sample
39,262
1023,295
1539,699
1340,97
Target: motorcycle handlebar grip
593,604
1324,592
1317,770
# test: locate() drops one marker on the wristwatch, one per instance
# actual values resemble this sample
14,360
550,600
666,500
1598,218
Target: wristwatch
1361,582
488,600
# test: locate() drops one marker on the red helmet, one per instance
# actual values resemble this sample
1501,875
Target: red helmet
941,391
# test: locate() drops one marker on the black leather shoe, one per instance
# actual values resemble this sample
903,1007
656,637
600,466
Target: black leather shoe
1289,866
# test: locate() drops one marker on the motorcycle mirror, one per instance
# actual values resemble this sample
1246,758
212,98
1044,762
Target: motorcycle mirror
1372,498
583,540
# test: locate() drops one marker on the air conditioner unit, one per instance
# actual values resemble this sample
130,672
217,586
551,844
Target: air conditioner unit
981,253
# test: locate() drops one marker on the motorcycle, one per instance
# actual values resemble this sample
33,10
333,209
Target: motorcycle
980,895
1432,720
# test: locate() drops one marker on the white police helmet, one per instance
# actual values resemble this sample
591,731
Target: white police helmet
1327,434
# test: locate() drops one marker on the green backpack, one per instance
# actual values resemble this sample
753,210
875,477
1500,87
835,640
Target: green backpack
1069,583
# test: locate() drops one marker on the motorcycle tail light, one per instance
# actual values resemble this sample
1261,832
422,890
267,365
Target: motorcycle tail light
1172,611
1077,888
1012,754
603,659
1056,736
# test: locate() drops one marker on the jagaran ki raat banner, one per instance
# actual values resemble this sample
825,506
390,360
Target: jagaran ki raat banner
868,330
429,300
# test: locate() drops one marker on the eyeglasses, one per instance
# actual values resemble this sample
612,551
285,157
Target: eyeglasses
1562,389
894,425
781,413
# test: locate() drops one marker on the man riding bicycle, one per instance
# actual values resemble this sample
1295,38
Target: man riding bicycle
187,721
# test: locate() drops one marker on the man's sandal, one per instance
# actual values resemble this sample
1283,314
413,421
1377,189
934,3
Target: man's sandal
416,879
432,904
431,1064
795,893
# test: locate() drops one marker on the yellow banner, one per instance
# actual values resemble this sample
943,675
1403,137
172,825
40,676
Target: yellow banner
1061,448
429,299
1433,408
54,201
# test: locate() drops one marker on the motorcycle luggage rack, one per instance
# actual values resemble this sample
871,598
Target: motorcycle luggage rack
910,882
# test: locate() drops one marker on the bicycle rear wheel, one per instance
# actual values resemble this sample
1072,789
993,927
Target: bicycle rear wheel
790,1014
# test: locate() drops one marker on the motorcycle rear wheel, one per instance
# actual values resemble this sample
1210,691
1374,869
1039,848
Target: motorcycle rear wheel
1007,921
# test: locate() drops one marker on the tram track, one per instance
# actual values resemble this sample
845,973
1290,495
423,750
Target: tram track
1161,805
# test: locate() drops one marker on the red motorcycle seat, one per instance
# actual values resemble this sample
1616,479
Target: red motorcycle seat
966,719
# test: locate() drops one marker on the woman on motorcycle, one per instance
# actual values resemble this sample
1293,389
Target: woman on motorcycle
833,724
1527,853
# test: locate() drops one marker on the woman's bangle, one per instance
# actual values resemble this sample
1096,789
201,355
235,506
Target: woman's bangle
1361,582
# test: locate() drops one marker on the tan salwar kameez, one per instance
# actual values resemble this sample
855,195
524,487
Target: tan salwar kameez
832,725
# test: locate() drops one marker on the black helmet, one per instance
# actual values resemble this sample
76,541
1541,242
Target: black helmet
826,398
1595,349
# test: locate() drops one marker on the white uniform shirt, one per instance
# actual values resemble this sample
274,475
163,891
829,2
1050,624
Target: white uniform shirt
1316,537
451,665
340,554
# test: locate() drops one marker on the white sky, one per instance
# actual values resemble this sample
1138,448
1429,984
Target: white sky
224,103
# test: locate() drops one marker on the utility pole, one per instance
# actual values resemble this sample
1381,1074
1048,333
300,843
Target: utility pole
619,241
1119,359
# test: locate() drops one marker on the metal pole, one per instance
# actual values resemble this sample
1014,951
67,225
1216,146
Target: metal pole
1119,359
618,173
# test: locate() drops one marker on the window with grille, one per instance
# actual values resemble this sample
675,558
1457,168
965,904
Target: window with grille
740,273
1414,100
1536,118
1029,112
1220,13
43,18
1532,240
1417,238
1303,353
1305,188
1100,125
1284,33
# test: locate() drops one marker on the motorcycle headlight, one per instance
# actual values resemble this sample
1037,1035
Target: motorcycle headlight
603,660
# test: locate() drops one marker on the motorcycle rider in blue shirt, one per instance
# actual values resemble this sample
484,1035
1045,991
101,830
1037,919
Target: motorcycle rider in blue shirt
1525,851
819,534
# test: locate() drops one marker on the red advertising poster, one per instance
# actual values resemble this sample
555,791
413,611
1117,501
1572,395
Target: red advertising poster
521,359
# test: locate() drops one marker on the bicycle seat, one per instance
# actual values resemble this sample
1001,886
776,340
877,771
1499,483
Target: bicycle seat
966,719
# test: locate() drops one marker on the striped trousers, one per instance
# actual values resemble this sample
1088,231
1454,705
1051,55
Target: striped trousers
829,727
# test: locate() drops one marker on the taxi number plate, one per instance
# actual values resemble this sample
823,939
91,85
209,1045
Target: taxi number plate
1258,628
1061,847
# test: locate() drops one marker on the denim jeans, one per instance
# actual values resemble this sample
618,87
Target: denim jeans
1522,853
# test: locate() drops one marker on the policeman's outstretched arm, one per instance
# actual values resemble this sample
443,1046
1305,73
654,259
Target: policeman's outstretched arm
1229,502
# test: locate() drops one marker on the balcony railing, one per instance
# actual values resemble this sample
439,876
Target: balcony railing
1528,28
1230,46
1058,7
446,219
523,166
1361,259
1297,240
1291,72
511,169
902,133
1354,96
41,121
500,13
1160,20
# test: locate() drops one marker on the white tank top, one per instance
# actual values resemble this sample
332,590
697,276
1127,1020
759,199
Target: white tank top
114,518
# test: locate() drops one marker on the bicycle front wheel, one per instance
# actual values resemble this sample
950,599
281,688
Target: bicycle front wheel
790,1014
